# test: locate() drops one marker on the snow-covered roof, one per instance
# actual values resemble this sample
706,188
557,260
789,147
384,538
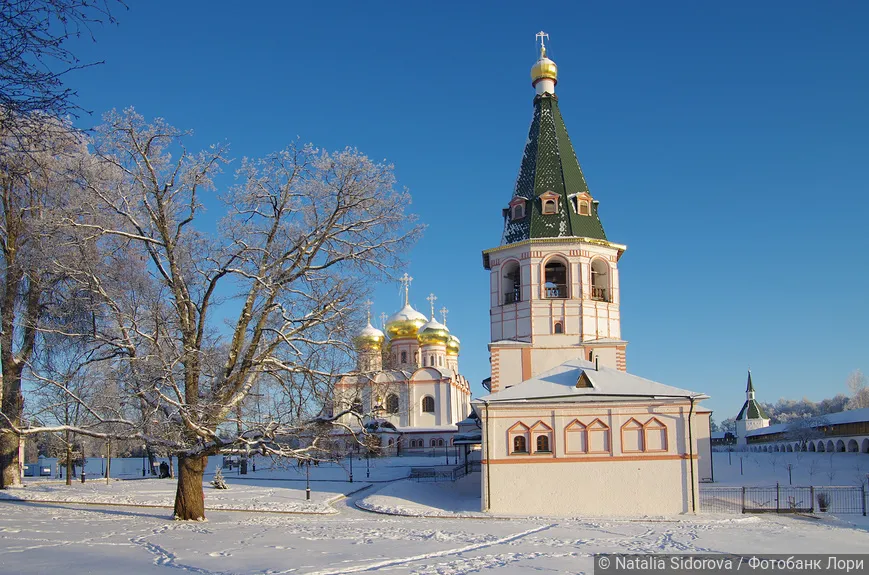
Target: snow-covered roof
433,429
605,384
470,438
852,416
719,434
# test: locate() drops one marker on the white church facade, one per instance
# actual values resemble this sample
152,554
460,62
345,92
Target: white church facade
566,430
407,386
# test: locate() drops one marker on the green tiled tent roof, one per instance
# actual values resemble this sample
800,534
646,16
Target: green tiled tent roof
751,410
550,164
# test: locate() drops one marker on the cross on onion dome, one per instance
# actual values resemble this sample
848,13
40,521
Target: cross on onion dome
431,299
405,281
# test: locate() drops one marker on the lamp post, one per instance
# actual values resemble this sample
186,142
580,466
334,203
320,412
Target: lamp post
308,479
351,467
144,449
367,464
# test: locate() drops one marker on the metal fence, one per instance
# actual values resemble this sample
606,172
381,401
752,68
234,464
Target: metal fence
784,499
420,474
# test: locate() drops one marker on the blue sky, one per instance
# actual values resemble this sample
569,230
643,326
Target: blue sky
726,142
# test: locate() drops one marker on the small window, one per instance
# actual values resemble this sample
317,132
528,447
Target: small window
549,207
357,406
518,212
404,357
519,445
542,443
584,209
392,403
428,404
559,327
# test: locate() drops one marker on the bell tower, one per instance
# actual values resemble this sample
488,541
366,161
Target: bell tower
554,281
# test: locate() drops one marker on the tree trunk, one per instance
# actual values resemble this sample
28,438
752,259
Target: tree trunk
189,498
10,474
151,461
10,470
69,469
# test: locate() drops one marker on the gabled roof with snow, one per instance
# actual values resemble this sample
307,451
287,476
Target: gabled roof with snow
602,384
838,418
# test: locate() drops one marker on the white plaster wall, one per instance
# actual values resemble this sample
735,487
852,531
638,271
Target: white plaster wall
612,488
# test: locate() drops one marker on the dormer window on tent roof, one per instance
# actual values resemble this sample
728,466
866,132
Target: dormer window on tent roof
581,203
549,202
517,208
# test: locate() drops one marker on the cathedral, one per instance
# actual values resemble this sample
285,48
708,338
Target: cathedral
408,380
566,430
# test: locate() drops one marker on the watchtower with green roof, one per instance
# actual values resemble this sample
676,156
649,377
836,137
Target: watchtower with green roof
751,416
554,283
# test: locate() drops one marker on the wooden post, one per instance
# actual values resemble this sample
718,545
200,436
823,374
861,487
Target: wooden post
108,460
777,495
743,498
812,494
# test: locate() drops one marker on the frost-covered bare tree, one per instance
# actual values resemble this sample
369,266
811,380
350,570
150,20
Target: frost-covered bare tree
806,430
304,234
35,56
36,186
857,385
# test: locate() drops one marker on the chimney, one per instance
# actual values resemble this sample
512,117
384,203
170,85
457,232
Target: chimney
596,363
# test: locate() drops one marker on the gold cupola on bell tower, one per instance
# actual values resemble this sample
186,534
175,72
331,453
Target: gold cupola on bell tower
544,72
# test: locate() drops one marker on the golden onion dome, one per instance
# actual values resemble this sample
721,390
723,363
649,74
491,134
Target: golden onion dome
434,333
404,323
544,68
369,338
453,345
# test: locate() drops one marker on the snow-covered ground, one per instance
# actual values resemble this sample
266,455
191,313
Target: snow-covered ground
40,538
447,535
243,494
444,499
807,468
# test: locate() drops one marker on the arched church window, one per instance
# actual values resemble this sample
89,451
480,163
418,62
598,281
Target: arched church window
600,280
558,328
392,403
591,355
518,436
511,285
428,404
441,360
555,279
584,209
549,207
518,211
541,434
404,357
